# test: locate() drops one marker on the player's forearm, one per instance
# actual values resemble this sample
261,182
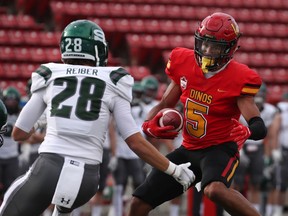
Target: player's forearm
147,152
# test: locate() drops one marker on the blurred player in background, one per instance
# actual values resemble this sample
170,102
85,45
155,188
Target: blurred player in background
253,154
279,155
79,97
3,121
9,163
215,90
97,201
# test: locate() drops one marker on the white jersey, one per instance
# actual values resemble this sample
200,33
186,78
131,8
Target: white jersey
80,100
283,134
10,146
267,114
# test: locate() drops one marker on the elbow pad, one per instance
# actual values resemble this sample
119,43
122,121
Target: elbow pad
257,128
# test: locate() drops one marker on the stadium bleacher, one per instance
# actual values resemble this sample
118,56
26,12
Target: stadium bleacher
141,33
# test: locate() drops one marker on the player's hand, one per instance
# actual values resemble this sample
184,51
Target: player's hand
276,155
112,165
152,129
182,174
239,133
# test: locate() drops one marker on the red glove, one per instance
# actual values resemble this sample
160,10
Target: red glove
239,133
152,129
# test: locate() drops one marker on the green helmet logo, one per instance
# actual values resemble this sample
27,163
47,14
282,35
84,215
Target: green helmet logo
84,39
3,121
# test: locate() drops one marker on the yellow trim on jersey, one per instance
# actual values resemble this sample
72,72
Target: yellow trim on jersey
250,90
233,170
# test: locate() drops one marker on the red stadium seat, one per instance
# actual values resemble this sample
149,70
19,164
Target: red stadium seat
148,41
38,55
22,54
16,37
50,38
152,25
72,9
12,71
116,9
267,75
131,10
281,75
31,37
101,9
159,11
167,26
7,54
189,41
53,55
27,69
176,41
242,57
188,12
138,72
183,27
173,11
27,22
162,41
88,9
145,10
8,21
4,37
137,26
122,25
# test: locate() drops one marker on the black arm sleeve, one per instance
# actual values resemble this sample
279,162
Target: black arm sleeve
257,128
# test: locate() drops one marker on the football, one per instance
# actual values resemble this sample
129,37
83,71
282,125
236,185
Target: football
171,117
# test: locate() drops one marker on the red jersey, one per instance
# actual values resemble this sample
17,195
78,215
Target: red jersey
209,103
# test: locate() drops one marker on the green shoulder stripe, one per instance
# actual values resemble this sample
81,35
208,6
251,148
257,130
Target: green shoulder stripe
116,75
45,72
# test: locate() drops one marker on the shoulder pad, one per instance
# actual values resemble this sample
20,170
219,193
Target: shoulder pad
40,78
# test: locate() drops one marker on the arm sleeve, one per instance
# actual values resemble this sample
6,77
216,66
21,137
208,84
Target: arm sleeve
123,118
31,112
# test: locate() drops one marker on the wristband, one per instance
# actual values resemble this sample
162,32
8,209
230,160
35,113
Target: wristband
257,128
171,168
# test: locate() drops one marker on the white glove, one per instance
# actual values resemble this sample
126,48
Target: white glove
41,123
24,157
276,155
182,174
112,165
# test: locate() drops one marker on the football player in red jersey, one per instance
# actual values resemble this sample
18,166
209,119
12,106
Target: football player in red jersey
215,90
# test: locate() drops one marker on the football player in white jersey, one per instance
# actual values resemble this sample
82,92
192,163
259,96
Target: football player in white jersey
80,96
254,152
277,196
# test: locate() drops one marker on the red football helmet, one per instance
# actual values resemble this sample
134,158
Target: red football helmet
216,41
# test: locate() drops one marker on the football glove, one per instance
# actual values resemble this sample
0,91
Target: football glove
239,133
112,165
276,156
152,129
182,174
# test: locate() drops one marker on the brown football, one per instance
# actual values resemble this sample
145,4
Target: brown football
171,117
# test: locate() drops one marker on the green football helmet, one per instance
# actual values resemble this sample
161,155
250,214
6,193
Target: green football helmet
3,121
11,93
137,92
11,99
150,86
84,39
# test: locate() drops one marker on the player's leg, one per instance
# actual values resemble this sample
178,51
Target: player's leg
160,187
32,193
97,202
121,178
256,176
218,167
